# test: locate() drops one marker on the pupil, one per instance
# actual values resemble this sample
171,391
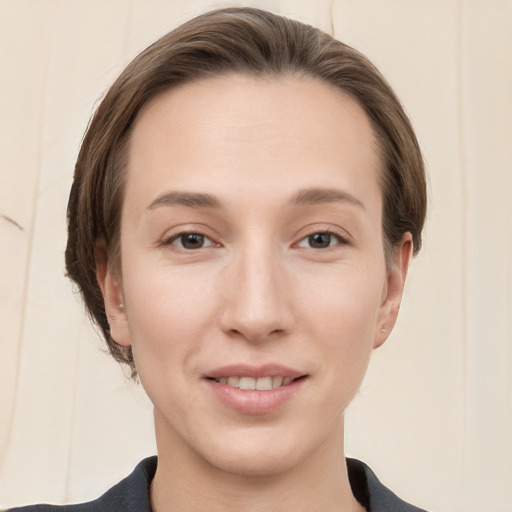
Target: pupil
192,241
320,240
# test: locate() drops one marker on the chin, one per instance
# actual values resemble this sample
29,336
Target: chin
258,455
262,464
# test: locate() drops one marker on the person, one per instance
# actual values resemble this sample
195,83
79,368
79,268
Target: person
245,204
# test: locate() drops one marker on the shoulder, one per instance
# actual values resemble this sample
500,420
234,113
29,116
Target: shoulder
371,493
129,495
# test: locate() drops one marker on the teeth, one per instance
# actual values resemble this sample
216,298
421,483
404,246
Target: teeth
264,383
233,381
247,383
260,384
277,382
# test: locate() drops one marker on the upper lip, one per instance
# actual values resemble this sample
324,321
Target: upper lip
244,370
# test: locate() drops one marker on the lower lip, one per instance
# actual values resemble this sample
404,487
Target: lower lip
254,401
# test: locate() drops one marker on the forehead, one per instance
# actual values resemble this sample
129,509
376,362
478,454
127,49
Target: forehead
251,131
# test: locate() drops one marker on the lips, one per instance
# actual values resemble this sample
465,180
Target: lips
255,390
243,370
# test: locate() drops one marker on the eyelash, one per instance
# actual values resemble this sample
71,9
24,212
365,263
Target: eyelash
183,234
338,238
308,238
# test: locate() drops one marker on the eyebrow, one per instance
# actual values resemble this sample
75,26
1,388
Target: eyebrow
190,199
311,196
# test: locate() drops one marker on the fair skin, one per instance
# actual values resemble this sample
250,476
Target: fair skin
251,246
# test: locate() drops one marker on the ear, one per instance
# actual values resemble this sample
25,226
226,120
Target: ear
111,289
393,290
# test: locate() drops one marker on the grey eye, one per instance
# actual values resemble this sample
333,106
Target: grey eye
191,241
320,240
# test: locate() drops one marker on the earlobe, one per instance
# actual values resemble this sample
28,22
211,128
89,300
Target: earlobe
394,288
111,290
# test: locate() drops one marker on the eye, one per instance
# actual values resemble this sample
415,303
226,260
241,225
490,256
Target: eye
190,241
320,240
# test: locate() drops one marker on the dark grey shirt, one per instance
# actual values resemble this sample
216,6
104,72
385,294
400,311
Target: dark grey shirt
132,493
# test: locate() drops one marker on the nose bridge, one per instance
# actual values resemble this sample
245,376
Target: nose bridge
256,304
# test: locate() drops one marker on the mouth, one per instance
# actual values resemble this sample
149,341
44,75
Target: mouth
255,390
256,383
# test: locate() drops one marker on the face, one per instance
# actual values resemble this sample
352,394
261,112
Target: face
254,284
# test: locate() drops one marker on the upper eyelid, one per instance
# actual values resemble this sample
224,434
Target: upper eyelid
186,228
171,238
313,228
318,227
342,239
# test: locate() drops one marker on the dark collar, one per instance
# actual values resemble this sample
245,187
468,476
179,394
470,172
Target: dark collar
132,493
367,488
371,493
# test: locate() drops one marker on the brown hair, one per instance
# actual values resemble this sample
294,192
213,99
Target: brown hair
234,40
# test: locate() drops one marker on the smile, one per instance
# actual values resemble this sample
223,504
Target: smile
255,390
259,384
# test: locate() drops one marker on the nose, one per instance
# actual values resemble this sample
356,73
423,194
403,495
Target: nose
257,305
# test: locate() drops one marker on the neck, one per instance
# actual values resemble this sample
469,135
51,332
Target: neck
185,481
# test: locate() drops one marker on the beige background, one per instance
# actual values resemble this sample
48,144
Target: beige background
434,417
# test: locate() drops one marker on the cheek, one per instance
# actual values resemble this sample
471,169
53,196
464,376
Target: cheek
346,299
343,311
168,311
